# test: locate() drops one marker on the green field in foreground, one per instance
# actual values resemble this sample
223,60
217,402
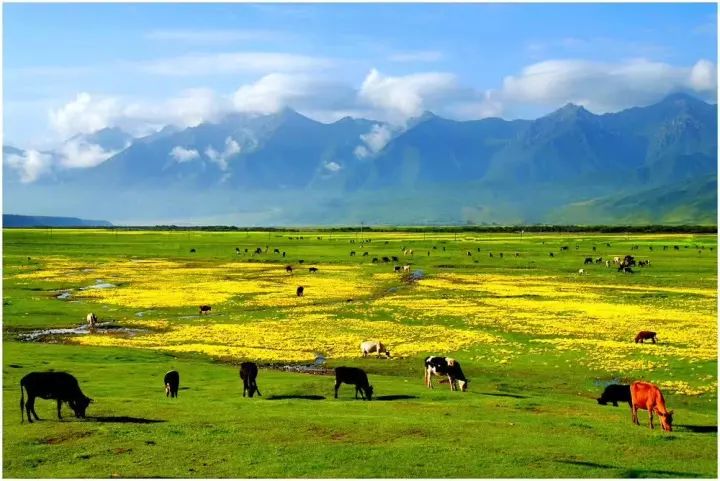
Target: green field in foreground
538,342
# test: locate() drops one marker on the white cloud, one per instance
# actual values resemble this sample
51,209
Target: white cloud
84,114
400,98
378,136
234,63
30,165
181,154
419,56
232,147
75,154
333,166
603,87
361,152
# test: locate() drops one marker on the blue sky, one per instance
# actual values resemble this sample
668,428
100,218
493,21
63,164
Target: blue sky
72,69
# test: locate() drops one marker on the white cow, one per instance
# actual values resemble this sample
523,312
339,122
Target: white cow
581,272
368,347
91,320
406,268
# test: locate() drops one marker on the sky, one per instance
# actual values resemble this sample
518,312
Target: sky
71,69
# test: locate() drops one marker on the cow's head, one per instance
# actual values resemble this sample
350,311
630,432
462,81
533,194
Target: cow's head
80,405
602,401
666,420
369,392
463,384
167,389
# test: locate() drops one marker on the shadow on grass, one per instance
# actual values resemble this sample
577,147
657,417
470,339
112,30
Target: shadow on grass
632,473
394,397
123,419
308,397
501,394
697,429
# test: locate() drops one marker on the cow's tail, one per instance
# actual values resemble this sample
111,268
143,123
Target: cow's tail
22,403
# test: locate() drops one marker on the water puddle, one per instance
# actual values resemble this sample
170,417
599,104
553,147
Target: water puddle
50,335
64,295
99,284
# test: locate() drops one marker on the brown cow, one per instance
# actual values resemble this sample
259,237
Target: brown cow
647,396
646,335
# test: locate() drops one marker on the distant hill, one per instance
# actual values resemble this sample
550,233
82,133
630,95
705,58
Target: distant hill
12,220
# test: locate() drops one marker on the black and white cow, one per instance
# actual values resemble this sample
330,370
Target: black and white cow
445,366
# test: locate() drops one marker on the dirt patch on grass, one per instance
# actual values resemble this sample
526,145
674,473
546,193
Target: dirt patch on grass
66,437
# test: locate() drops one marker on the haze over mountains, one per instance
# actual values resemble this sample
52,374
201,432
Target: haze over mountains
654,164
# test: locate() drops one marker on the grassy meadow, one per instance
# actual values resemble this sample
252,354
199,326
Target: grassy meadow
537,340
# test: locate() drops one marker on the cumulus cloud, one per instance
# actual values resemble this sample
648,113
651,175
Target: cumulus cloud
604,87
232,147
76,154
84,114
374,141
401,98
30,165
181,154
333,166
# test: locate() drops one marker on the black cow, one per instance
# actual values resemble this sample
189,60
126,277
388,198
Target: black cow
192,250
313,269
445,366
615,393
172,383
366,253
288,269
386,259
258,250
375,260
276,251
395,259
300,291
60,386
588,260
205,310
248,374
355,376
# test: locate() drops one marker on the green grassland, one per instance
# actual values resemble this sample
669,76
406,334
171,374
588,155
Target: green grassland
534,416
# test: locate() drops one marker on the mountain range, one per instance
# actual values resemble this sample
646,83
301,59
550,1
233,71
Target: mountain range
653,164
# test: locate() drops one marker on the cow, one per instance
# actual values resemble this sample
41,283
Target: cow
288,269
248,374
283,254
352,253
588,260
258,250
469,253
406,268
616,260
237,250
607,263
581,272
645,335
276,251
598,260
172,383
615,393
647,396
445,366
313,269
192,251
300,291
301,261
91,320
394,259
205,310
61,386
356,377
552,255
563,248
397,268
366,253
375,260
368,347
490,254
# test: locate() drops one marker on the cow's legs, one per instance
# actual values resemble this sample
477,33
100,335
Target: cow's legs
31,408
634,415
615,403
337,386
245,387
256,389
452,382
650,413
59,405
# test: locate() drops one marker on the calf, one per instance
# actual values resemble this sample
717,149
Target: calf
60,386
91,320
172,383
645,335
445,366
248,374
205,310
368,347
300,291
647,396
355,376
615,393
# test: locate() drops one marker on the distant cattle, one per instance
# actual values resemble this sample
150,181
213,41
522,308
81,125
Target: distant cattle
406,268
552,255
607,263
581,272
676,248
276,251
598,260
172,383
647,396
237,250
365,254
313,269
397,268
248,374
563,248
91,320
375,260
283,254
588,260
288,269
246,250
386,259
642,336
615,393
616,260
352,253
490,254
445,366
61,386
205,310
192,251
395,259
469,253
300,291
258,250
356,377
368,347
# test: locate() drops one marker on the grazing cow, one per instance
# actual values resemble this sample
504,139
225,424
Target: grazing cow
205,310
91,320
607,244
366,253
246,250
192,251
647,396
616,260
598,260
563,248
397,268
300,291
627,270
552,255
288,269
517,254
356,377
445,366
375,260
594,248
301,261
501,255
676,248
368,347
646,335
615,393
352,253
258,250
248,374
406,268
60,386
588,260
490,254
276,251
172,383
313,269
394,259
386,259
581,272
237,250
283,254
627,262
469,253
